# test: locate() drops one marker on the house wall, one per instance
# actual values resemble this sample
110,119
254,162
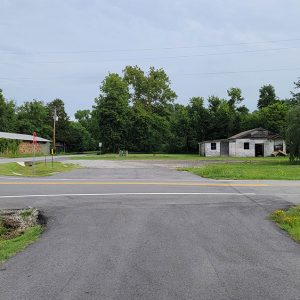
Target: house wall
209,152
27,148
202,149
236,148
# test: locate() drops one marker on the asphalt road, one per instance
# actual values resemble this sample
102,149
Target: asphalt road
142,230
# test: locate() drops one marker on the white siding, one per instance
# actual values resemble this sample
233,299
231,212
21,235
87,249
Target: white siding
232,151
237,148
209,152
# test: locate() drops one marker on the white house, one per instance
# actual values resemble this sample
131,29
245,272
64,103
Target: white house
250,143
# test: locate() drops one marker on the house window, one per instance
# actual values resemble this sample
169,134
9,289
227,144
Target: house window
278,147
213,146
246,146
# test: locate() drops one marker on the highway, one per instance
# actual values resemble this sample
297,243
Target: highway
142,230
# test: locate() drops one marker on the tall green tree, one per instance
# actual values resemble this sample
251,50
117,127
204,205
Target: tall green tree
293,134
273,117
151,90
198,122
267,96
219,118
79,139
296,95
7,114
112,107
33,116
63,121
180,129
235,97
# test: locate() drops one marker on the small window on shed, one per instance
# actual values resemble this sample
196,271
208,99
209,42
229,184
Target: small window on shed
246,146
213,146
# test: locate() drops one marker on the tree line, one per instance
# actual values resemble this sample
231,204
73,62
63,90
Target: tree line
137,111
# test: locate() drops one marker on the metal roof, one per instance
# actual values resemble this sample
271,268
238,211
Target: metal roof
22,137
255,133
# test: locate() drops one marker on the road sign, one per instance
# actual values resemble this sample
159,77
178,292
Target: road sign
100,144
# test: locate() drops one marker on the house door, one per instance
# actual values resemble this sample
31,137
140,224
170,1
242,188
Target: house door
259,150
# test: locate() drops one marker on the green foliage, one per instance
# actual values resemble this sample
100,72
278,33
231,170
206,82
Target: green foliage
273,117
112,111
8,146
33,116
11,246
296,95
288,220
79,138
136,111
278,169
293,134
267,96
40,169
7,114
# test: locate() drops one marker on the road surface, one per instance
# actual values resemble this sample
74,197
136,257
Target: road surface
142,230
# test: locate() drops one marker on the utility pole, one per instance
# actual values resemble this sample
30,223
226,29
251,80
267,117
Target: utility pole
54,121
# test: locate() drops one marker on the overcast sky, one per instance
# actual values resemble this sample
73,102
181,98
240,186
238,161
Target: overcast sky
64,49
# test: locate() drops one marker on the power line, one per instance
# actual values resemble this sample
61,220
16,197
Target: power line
161,57
242,71
148,49
187,74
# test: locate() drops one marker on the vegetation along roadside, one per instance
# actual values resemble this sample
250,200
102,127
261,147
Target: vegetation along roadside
38,169
18,229
289,221
259,169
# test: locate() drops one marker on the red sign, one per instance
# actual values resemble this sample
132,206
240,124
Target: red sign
34,138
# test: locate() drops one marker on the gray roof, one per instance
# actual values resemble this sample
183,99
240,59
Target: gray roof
214,141
255,133
22,137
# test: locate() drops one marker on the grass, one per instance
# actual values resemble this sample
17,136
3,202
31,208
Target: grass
289,221
40,169
162,156
272,169
18,155
9,247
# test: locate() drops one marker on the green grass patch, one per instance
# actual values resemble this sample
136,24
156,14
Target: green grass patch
272,169
9,247
289,221
162,156
39,169
17,155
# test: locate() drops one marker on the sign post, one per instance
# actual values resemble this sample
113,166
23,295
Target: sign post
100,146
34,145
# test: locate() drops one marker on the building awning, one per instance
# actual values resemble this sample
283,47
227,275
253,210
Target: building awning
21,137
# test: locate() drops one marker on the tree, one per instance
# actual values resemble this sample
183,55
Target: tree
63,122
152,90
85,118
293,134
33,116
7,114
267,96
296,96
152,102
219,118
273,117
180,129
79,139
235,97
112,107
199,122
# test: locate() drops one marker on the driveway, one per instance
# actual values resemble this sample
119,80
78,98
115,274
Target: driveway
142,230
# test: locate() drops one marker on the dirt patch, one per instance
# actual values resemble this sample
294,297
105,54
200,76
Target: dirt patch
13,222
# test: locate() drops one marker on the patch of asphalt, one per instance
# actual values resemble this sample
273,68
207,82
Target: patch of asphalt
175,247
202,246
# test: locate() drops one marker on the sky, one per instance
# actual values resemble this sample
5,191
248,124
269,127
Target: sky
64,49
